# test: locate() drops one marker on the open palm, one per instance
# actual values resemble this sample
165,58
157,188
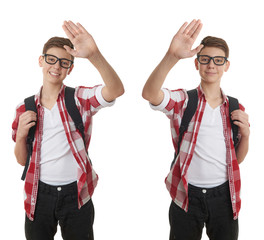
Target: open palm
182,42
83,42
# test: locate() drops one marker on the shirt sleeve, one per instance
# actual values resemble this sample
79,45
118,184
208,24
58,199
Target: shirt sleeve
174,102
91,98
19,110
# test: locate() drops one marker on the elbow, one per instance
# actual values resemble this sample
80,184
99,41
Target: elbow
22,163
21,160
121,91
239,160
118,92
146,95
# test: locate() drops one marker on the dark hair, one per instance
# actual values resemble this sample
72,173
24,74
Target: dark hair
210,41
57,42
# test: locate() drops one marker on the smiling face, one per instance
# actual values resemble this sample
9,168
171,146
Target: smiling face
211,73
55,74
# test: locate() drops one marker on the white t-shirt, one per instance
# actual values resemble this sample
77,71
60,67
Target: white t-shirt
208,166
57,165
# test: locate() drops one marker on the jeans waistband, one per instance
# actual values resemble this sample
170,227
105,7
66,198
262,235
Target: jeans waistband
64,189
221,189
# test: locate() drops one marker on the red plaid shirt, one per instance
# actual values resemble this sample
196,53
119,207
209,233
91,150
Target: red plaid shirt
89,101
174,105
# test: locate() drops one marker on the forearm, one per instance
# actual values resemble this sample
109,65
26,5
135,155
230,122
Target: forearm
242,149
113,85
152,89
21,151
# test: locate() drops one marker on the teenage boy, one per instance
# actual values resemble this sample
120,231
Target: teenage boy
60,180
204,181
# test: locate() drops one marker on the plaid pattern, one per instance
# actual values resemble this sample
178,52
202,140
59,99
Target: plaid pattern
174,105
89,101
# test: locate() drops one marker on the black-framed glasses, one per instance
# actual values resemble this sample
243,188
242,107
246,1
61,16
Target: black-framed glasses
205,59
64,62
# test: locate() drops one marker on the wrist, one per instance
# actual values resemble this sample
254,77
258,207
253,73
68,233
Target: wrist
21,138
245,137
172,57
94,55
170,60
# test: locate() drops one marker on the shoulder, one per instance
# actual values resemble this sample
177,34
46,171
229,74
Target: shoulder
235,101
20,108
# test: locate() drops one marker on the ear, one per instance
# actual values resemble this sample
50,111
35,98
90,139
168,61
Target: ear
41,59
70,69
196,64
227,66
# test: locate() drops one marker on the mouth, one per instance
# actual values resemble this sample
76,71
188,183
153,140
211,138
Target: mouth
54,74
210,73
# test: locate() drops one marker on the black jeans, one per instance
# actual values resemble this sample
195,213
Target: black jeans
58,204
207,206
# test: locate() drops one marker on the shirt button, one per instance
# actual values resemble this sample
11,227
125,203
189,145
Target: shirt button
59,189
204,190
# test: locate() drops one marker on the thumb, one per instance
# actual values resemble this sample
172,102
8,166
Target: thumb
197,50
70,50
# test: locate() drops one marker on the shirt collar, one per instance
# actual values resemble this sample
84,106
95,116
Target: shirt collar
38,95
201,93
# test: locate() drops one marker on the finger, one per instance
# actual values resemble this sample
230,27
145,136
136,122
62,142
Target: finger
241,125
31,124
27,116
239,115
81,28
189,27
236,111
194,28
66,29
182,28
197,31
240,119
74,28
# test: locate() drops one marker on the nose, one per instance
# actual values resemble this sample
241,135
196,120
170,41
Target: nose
57,65
211,64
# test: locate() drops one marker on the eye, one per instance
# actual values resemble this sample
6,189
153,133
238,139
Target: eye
51,59
65,63
204,59
219,60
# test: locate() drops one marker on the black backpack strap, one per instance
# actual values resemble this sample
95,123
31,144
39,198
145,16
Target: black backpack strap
30,106
233,105
73,110
187,117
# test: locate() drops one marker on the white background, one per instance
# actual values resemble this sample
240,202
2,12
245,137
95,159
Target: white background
131,145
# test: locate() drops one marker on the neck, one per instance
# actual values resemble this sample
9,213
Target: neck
211,91
50,91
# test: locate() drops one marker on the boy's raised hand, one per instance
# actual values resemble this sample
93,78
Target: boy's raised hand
83,42
182,42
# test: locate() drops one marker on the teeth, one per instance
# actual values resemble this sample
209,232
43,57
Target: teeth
54,74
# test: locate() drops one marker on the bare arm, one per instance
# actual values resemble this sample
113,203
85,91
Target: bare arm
241,120
85,47
180,47
26,121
